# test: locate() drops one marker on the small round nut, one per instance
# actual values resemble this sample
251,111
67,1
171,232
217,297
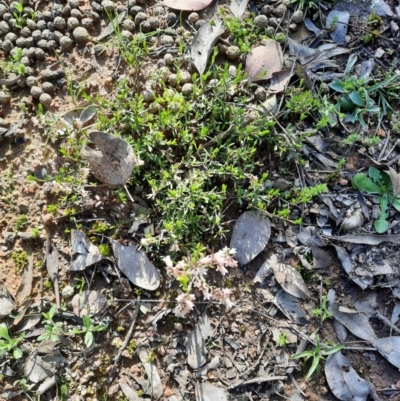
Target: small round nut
187,89
233,52
45,99
193,18
36,92
5,98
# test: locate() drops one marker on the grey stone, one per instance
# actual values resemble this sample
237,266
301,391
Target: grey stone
59,23
42,44
29,42
171,19
36,92
81,35
11,36
233,52
47,34
7,46
167,40
25,32
128,25
187,89
135,10
45,99
4,27
139,18
40,54
41,25
200,23
108,6
72,23
193,18
169,59
47,87
154,23
65,43
158,11
37,35
261,21
75,13
5,98
31,81
297,16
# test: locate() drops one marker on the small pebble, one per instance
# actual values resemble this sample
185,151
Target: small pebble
167,40
81,35
164,73
108,6
260,94
7,46
145,27
87,23
65,43
59,23
37,35
158,11
42,44
193,18
187,89
200,23
261,21
171,19
127,35
5,98
25,32
40,54
266,10
76,14
233,52
31,24
11,36
47,87
4,28
297,16
154,23
139,18
280,10
173,80
45,99
135,10
169,59
72,23
36,92
41,25
31,81
292,27
184,77
128,25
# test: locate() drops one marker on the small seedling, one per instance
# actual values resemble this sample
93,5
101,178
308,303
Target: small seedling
379,184
8,344
88,329
20,17
21,222
52,329
283,340
104,249
317,354
35,234
323,311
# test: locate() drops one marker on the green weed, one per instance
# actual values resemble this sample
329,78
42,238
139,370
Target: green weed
9,344
88,329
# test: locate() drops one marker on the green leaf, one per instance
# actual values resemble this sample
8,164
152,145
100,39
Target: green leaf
350,63
100,327
346,103
52,312
313,367
332,350
87,322
356,98
89,339
364,183
384,83
4,331
375,174
17,353
381,225
305,354
337,86
396,204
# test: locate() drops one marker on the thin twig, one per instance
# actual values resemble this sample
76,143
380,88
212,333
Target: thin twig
257,380
127,338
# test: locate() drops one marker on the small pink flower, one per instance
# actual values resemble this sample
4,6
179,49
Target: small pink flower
185,304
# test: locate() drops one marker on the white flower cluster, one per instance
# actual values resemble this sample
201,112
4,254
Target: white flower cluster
195,272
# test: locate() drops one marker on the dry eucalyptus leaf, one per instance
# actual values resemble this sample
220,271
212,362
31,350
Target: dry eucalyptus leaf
80,114
238,7
34,369
204,41
187,5
368,239
343,380
113,163
270,106
195,346
209,392
25,288
88,303
290,280
129,392
154,386
266,268
395,177
264,60
279,80
337,23
250,236
389,348
110,28
321,260
86,253
7,303
357,323
136,266
362,282
290,307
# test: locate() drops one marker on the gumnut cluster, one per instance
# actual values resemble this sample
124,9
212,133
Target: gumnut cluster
193,275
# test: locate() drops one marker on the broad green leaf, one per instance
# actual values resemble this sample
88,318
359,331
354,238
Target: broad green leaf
346,103
375,174
364,183
52,312
337,86
87,322
396,204
384,204
4,331
89,339
356,99
305,354
381,226
17,353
